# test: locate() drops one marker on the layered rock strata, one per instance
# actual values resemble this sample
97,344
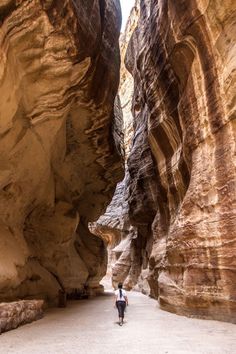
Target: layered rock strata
15,314
182,161
59,163
182,164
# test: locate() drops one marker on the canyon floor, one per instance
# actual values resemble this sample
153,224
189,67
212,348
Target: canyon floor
89,327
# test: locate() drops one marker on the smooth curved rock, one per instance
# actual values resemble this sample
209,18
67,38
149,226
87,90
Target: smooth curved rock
59,77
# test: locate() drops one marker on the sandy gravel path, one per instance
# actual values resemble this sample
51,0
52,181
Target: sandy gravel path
89,327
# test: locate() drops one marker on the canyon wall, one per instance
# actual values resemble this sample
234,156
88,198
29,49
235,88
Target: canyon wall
181,165
59,164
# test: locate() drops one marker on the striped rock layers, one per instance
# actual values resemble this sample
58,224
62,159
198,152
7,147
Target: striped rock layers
182,162
58,163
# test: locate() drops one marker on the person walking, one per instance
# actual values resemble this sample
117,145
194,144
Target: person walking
121,301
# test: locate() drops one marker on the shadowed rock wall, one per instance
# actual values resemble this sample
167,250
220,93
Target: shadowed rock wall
58,162
114,226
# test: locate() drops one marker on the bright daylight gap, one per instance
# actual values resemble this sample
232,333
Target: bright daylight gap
126,6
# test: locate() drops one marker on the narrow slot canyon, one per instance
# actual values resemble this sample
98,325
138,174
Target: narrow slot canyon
117,165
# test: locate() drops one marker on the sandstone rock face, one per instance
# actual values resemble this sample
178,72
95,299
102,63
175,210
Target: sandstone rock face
114,226
182,164
58,162
14,314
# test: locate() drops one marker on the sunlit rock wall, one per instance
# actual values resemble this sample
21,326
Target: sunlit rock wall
58,162
182,161
182,58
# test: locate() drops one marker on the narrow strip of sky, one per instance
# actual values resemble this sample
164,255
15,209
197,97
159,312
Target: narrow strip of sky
126,6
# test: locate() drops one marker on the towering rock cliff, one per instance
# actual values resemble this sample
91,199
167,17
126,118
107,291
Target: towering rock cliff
181,167
58,163
182,164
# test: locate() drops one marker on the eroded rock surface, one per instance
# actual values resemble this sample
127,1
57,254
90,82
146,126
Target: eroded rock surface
182,161
182,165
114,226
17,313
58,162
